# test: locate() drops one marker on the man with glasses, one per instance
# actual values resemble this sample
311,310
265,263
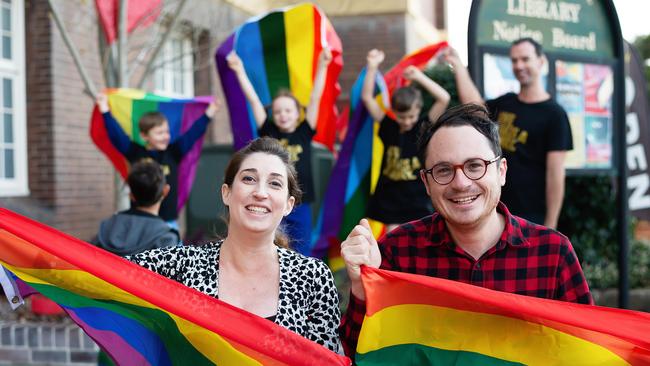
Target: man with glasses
535,134
472,237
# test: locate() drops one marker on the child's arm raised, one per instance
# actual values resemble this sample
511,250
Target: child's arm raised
186,141
374,58
311,113
116,135
439,94
236,65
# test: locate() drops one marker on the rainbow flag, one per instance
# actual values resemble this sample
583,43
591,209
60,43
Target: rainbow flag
419,320
356,171
139,317
127,106
280,50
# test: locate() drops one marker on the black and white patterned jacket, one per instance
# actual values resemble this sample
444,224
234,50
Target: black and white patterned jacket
308,302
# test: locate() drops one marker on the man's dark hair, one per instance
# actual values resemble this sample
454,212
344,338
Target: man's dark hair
146,182
539,51
403,99
472,115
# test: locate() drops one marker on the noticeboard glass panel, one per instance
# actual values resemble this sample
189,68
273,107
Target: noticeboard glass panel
586,92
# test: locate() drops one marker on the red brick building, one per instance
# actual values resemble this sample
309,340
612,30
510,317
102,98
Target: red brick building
49,168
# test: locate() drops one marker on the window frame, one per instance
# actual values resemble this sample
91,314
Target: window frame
166,67
15,70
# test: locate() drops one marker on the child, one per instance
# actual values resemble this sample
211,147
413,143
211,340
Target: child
295,135
154,131
139,228
400,196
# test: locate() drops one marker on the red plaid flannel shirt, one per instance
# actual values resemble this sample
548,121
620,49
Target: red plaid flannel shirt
529,259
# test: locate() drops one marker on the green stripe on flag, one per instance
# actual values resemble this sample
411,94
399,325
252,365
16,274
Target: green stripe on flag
355,208
417,354
275,55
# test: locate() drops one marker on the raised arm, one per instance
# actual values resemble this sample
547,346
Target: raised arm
186,141
467,91
236,65
374,59
116,135
311,114
439,94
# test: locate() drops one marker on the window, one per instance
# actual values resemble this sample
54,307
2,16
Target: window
13,140
174,76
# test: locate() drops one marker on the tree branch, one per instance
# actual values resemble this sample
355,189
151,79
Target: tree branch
159,46
91,90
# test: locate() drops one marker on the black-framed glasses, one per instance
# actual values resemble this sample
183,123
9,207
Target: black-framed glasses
473,169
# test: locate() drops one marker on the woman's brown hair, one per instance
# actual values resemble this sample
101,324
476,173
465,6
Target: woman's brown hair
271,146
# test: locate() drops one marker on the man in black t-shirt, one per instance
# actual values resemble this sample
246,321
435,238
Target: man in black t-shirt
535,135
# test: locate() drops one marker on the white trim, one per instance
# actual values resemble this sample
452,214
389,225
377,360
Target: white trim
15,69
174,63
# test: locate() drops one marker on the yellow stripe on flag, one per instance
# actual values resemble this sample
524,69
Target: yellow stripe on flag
491,335
121,104
377,155
299,33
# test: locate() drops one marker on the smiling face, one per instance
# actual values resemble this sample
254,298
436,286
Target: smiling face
464,202
526,64
285,113
406,120
157,138
258,197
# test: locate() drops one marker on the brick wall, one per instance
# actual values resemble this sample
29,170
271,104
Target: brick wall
72,185
360,34
35,343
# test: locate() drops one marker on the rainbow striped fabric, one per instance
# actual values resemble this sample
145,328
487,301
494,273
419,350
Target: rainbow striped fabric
280,50
139,317
420,320
127,106
356,171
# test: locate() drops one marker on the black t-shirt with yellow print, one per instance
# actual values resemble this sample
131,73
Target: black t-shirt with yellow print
298,144
400,195
528,131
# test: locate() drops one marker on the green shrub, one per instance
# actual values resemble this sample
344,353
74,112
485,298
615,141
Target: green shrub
589,219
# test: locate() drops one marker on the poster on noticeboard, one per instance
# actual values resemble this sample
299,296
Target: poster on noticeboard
586,91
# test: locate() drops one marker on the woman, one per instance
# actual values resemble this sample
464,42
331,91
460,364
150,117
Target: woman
252,268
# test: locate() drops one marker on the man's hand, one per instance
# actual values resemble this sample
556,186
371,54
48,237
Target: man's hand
102,102
359,248
451,57
374,58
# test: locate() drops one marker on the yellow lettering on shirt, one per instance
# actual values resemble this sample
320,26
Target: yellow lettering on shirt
293,150
400,169
510,134
165,169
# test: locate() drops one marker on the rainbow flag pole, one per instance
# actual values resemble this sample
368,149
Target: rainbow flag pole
137,316
419,320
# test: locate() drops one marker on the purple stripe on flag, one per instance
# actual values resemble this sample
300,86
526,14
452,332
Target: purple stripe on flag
187,167
235,98
119,349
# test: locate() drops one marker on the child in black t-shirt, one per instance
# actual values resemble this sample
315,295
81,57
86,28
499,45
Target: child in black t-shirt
154,131
400,196
285,125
